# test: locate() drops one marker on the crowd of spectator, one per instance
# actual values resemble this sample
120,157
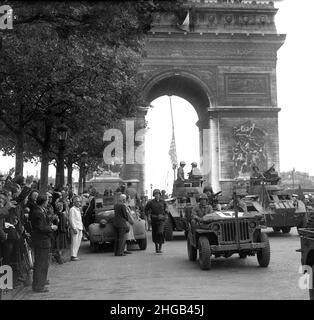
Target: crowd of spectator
18,201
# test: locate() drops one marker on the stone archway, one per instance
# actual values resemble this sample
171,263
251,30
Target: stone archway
191,88
225,66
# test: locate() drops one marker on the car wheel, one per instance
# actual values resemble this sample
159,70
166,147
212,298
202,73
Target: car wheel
285,229
204,253
142,243
192,251
168,229
263,255
276,229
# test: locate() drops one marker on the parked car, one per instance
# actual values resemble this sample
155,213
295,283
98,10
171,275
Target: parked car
102,232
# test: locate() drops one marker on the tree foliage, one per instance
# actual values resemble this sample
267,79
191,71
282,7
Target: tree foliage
74,63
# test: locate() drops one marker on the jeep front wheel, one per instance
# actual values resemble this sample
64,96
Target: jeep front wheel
192,251
263,255
204,253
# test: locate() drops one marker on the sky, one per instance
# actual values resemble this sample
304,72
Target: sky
295,69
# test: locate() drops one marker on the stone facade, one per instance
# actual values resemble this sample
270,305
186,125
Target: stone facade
225,66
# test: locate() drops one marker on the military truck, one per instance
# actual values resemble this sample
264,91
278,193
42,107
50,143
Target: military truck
224,233
281,210
307,255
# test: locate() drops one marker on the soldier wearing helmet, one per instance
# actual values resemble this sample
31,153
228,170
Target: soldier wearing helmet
195,175
208,190
202,209
157,208
180,173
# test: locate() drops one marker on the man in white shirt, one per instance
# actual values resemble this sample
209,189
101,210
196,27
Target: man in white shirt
76,225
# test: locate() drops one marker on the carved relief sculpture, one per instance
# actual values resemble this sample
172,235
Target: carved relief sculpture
249,149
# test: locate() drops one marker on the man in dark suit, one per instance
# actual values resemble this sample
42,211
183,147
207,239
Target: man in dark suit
41,239
120,225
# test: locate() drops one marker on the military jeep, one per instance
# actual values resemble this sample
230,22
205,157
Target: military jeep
224,233
307,254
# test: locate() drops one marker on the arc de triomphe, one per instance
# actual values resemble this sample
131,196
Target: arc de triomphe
224,64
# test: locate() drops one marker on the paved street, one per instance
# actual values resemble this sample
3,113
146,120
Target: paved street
146,275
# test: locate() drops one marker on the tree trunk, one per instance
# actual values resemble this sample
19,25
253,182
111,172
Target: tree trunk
70,171
80,185
19,161
44,171
43,187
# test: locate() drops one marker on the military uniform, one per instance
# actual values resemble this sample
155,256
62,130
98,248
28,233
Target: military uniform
158,217
200,211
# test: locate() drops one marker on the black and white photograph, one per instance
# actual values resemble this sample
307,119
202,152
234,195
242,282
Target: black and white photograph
156,150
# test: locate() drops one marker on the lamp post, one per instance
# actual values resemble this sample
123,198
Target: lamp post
83,167
62,132
293,173
151,190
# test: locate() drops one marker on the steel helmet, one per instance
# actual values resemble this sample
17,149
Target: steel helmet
182,163
156,191
194,164
203,196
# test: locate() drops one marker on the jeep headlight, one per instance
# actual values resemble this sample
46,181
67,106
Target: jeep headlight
215,227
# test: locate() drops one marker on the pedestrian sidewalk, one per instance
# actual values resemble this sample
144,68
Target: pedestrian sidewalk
20,290
11,294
